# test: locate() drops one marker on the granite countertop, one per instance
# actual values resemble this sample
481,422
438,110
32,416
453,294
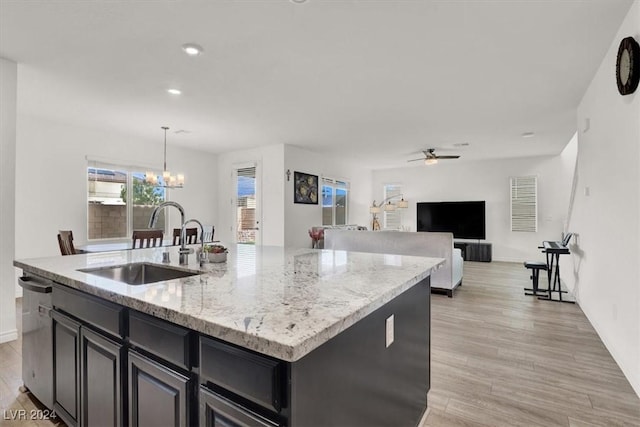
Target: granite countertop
282,302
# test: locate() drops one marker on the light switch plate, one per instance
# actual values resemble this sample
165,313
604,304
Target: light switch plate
389,330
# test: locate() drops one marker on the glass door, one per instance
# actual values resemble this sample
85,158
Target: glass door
334,202
246,206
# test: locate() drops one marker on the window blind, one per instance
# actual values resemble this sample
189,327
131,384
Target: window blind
524,203
392,219
246,202
335,183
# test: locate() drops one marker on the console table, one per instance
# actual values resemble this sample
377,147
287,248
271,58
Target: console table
472,251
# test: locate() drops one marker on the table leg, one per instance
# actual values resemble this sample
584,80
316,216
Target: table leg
556,279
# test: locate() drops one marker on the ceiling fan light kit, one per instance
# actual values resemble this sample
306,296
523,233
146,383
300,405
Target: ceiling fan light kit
430,157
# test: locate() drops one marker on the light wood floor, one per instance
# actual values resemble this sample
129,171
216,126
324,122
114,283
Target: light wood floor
498,358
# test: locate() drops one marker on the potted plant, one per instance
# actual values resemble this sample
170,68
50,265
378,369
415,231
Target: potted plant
216,253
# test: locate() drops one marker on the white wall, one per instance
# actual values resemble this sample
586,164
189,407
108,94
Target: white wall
282,221
299,218
51,179
489,181
8,87
270,187
605,271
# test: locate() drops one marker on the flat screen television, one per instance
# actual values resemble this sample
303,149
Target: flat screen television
466,220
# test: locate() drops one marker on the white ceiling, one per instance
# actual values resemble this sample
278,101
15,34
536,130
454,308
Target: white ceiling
376,81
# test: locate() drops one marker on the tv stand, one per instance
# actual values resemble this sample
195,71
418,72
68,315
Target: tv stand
472,251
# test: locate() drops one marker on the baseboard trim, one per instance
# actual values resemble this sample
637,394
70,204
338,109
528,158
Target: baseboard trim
10,335
635,382
514,260
423,420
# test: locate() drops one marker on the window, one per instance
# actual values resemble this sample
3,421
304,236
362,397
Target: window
335,202
392,220
111,213
524,203
246,202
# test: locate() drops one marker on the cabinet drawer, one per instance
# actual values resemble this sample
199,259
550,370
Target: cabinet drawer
104,315
158,395
254,377
216,411
166,340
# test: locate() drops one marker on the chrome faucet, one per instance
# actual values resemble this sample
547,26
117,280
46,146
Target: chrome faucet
156,212
184,251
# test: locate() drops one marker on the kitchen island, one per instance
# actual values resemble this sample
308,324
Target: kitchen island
274,336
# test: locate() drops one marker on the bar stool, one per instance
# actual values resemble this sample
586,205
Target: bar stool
191,236
147,238
65,241
535,267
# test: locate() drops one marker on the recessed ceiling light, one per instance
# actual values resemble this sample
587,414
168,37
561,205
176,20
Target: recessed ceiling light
528,134
174,91
192,49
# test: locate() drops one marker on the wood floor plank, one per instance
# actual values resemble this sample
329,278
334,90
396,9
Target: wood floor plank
502,334
503,412
540,394
438,418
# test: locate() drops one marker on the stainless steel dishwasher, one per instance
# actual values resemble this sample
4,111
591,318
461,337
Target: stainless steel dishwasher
37,338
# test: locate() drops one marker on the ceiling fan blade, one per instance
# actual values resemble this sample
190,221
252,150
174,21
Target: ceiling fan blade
447,157
415,160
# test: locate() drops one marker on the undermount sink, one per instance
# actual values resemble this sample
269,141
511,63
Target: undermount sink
139,273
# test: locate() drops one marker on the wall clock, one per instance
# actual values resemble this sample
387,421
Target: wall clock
628,66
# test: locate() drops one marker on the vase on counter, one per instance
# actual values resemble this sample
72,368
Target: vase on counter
217,257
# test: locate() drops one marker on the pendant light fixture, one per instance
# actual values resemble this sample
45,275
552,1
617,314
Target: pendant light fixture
168,180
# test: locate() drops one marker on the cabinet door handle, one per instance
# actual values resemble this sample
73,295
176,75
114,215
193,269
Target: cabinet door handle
44,311
31,284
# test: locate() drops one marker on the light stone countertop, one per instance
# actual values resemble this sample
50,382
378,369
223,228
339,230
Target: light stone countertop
282,302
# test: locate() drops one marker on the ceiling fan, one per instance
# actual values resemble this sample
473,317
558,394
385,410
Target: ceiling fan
430,157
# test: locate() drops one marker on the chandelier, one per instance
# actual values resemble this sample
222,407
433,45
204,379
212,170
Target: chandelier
168,180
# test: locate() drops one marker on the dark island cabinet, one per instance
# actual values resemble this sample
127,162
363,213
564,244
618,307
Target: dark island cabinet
66,375
158,395
87,375
216,411
114,366
87,355
100,380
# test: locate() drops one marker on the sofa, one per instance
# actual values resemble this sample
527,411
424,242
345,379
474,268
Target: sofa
439,245
317,233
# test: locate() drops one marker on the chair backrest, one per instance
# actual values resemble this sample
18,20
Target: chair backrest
209,231
65,241
147,238
191,236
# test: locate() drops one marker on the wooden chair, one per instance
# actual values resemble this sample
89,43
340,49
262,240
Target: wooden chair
65,241
147,238
191,236
209,231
